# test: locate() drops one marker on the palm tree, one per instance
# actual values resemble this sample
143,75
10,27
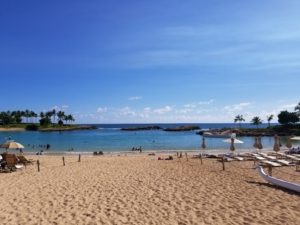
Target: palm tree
27,115
256,121
32,115
35,116
49,115
239,118
297,108
270,118
54,115
69,118
60,116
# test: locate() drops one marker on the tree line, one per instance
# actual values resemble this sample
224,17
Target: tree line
29,116
284,117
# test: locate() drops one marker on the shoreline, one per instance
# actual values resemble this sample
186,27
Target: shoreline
144,152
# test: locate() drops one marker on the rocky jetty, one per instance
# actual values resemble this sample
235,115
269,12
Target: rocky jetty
141,128
183,128
250,132
67,128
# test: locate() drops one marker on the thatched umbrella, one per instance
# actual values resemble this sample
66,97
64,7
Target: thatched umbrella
276,147
256,143
11,145
288,143
259,146
233,141
232,148
203,145
279,141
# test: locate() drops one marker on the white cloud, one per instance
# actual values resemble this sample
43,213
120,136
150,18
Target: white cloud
102,110
127,111
184,111
206,102
237,107
64,106
60,108
190,106
288,107
162,110
135,98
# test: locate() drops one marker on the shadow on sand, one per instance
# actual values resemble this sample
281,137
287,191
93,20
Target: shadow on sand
274,187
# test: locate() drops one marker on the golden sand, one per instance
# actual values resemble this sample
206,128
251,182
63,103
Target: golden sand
11,129
143,190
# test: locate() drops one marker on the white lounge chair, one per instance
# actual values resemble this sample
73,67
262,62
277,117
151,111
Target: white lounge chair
267,156
284,162
271,163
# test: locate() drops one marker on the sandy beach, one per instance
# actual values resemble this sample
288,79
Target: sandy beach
2,129
140,189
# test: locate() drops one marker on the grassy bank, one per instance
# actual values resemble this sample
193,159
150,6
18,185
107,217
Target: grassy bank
49,128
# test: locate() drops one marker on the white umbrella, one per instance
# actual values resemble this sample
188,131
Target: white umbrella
295,138
11,145
236,141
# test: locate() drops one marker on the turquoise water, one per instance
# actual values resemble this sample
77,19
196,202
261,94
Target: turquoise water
113,139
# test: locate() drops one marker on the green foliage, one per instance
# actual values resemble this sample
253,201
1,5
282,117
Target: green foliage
270,118
8,118
297,108
44,122
285,117
32,127
256,121
239,118
60,123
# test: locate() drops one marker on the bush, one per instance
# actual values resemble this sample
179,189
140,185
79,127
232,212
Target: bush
285,117
32,127
45,121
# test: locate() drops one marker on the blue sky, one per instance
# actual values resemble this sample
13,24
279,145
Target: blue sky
151,61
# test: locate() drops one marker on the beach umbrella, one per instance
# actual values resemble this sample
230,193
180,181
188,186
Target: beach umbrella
203,145
276,147
295,138
256,143
235,141
279,141
232,148
288,143
11,145
259,144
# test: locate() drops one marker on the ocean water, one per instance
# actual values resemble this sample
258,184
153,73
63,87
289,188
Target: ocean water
109,137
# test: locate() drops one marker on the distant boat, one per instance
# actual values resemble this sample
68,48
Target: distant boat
278,182
217,134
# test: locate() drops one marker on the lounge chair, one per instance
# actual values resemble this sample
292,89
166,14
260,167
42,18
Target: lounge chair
267,156
11,161
23,160
293,158
284,162
239,158
271,163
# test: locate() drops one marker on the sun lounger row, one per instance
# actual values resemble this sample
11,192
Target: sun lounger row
271,160
11,162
